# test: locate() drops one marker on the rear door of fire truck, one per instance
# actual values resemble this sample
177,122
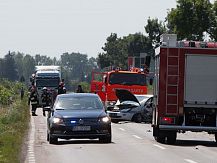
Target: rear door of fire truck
97,85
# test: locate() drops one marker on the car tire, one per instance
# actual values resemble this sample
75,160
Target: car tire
105,139
53,140
137,118
114,121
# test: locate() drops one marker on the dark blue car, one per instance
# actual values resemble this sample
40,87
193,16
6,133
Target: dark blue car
78,115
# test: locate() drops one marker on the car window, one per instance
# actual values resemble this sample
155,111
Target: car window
78,103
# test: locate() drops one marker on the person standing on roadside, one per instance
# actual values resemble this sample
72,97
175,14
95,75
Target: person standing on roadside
34,100
21,93
79,89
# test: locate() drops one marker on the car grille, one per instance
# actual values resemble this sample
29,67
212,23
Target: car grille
81,121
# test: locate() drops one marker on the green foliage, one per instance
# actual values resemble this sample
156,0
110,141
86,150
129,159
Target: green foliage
154,28
14,120
190,19
117,49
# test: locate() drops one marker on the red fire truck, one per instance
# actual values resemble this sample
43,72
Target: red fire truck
185,88
105,83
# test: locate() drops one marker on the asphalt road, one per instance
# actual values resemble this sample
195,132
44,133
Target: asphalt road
131,142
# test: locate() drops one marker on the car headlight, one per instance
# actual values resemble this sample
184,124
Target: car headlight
57,120
105,119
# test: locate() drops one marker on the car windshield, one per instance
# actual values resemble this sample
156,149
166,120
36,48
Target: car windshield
141,98
127,79
78,103
47,82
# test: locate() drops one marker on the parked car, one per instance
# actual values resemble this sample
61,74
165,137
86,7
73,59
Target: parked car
78,115
131,107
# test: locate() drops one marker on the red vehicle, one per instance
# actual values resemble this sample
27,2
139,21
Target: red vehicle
185,89
104,84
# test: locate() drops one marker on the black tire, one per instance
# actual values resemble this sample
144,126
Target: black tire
158,135
105,139
171,138
114,120
53,140
160,139
47,137
137,118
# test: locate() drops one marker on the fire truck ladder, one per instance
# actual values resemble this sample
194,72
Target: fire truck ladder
172,82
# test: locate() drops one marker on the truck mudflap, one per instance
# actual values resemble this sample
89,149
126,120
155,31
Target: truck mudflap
188,128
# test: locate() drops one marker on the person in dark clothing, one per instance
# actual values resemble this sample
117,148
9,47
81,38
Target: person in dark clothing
34,101
46,99
21,93
79,89
61,89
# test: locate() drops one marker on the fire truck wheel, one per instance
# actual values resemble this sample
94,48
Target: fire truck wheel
160,138
171,137
137,118
158,135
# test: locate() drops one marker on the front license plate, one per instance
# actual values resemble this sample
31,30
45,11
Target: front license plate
112,114
81,128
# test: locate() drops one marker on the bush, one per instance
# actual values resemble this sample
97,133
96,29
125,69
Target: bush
14,120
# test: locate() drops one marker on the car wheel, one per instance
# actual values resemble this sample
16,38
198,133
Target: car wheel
137,118
114,120
53,140
105,139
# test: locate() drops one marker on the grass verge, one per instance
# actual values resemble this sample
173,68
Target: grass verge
14,121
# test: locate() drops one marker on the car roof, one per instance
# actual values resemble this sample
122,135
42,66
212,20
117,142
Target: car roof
77,95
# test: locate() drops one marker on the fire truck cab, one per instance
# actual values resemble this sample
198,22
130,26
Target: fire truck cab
105,83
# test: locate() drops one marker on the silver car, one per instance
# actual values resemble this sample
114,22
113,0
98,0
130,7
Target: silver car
129,107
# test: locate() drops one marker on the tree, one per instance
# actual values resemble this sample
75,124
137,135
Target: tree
10,67
154,28
213,18
190,19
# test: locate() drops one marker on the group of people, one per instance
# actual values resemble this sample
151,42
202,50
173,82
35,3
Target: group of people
47,96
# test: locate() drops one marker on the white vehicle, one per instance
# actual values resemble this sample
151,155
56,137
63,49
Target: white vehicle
129,107
46,76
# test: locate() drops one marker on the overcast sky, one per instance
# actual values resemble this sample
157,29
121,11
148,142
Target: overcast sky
52,27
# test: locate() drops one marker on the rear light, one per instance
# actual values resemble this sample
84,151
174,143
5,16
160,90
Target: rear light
167,120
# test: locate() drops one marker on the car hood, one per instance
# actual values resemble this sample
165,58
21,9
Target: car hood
80,113
125,95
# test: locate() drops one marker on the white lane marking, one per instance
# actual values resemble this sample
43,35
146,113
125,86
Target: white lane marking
190,161
137,137
159,146
31,154
122,129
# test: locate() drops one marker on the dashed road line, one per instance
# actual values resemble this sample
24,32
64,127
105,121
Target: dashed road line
122,129
159,146
190,161
137,137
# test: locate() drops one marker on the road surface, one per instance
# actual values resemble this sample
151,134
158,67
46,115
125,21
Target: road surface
131,142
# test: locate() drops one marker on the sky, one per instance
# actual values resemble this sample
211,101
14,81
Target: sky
52,27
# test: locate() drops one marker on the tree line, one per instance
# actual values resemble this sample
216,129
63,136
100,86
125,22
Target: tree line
190,20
